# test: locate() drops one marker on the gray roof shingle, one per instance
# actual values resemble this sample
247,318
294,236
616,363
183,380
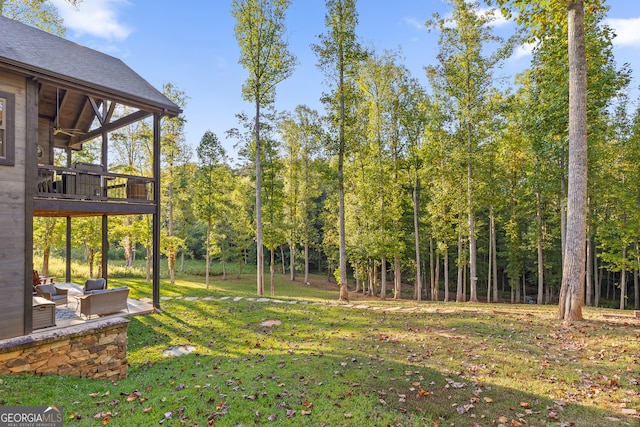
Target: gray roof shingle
48,55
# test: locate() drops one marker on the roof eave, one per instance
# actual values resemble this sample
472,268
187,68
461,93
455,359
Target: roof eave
166,109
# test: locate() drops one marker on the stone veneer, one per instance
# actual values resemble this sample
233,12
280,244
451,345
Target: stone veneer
96,349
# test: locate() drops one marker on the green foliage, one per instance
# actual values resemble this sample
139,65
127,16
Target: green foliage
260,30
39,13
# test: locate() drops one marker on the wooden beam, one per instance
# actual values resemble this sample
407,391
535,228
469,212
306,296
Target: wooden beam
96,109
85,208
31,168
109,127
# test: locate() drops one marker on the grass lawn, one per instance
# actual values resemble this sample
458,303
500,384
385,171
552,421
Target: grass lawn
367,363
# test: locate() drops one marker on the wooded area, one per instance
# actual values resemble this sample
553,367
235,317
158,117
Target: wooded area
458,189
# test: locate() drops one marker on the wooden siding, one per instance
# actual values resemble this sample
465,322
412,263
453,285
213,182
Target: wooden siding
12,218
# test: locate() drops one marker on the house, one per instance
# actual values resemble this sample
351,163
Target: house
56,94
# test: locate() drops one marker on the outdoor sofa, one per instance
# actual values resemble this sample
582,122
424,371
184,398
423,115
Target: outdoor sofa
104,302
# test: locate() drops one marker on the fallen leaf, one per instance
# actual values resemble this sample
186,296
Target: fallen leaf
348,415
147,410
525,404
488,400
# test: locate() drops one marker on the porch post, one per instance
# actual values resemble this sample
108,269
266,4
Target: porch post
68,250
156,216
68,246
105,246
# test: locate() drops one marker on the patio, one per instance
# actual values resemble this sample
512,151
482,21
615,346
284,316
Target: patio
69,315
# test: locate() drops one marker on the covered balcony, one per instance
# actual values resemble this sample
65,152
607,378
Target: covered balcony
85,190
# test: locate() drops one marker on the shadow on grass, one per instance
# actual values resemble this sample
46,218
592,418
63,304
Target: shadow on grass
358,367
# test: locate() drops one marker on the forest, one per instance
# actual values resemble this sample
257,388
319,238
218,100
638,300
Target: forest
452,191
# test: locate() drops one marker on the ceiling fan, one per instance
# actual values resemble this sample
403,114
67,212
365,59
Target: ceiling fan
57,130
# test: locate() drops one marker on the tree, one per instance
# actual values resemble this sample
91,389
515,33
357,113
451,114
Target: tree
174,154
413,104
130,153
301,133
208,192
338,54
259,30
464,75
39,13
47,232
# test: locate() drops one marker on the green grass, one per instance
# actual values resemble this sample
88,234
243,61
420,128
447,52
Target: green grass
332,364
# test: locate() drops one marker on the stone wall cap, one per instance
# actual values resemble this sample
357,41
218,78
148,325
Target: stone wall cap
56,334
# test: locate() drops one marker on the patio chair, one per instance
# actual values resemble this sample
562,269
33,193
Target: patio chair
40,280
92,285
52,293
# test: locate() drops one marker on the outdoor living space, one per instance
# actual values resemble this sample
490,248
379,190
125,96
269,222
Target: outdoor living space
70,314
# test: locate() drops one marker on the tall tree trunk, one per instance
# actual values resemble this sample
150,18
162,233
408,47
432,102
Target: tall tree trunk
492,225
417,292
540,254
435,278
272,272
149,249
597,277
636,285
374,278
208,255
473,275
588,281
397,278
490,257
344,291
259,245
292,256
306,262
446,273
573,268
46,254
623,281
459,291
383,277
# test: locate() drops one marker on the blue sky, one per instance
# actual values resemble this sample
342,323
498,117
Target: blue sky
193,46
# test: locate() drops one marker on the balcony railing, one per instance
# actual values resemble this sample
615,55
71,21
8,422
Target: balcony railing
89,182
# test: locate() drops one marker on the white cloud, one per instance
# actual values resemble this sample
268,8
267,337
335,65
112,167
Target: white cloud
97,18
626,30
523,51
496,17
418,25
